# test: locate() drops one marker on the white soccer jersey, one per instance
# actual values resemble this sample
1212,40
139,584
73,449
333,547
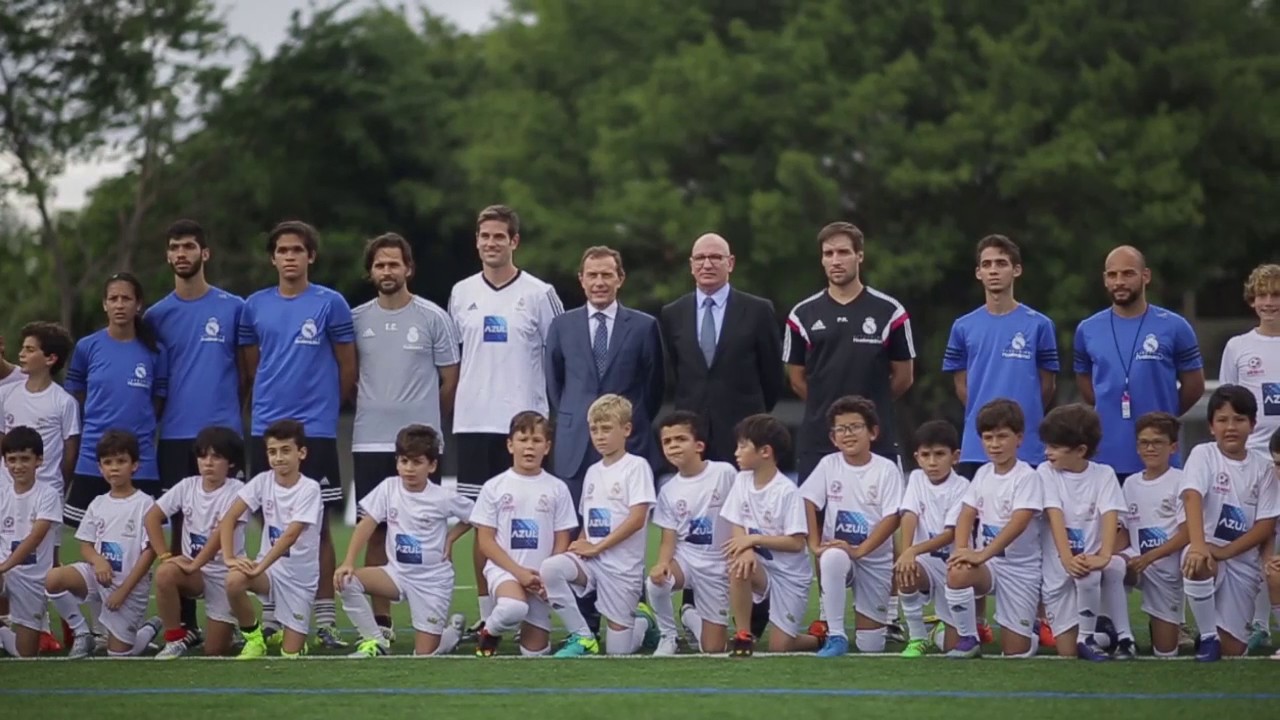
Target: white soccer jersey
1151,515
115,527
14,377
52,412
526,512
1237,493
997,497
18,512
417,524
608,494
691,507
1083,498
936,506
202,512
1253,361
776,509
281,507
504,332
856,499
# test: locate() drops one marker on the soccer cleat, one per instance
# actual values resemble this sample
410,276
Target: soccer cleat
473,632
742,644
372,647
1089,650
1186,640
1210,650
1259,634
388,634
916,648
327,636
1126,650
49,644
835,646
82,646
894,632
172,650
987,636
577,646
666,647
689,638
193,638
486,644
1275,655
966,647
99,643
255,646
652,636
818,629
458,622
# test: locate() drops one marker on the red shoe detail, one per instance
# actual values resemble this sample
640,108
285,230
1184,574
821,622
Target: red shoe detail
986,635
49,644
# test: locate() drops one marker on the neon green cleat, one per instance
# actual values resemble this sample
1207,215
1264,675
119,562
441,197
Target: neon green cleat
652,636
579,645
373,647
916,648
254,647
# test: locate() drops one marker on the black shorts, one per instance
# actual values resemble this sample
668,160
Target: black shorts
967,470
321,465
177,462
371,468
481,456
86,488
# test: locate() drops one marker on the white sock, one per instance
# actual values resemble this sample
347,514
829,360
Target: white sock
1275,611
142,640
486,605
44,623
558,571
894,607
326,613
1089,598
1203,606
68,607
960,601
692,622
1115,600
9,641
507,614
1262,608
639,627
358,609
836,566
913,611
660,600
449,639
94,601
620,642
822,608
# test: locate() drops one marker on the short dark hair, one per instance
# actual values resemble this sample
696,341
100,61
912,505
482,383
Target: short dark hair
310,236
1001,243
836,229
418,440
286,429
186,228
53,339
1071,426
937,433
22,439
1274,445
1001,413
1162,422
117,441
388,241
762,429
853,405
501,213
528,421
602,251
1238,397
687,418
223,442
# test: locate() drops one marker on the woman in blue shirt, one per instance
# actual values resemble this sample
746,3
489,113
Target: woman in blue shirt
120,377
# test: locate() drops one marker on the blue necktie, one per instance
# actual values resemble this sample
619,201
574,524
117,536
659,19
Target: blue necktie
707,335
600,343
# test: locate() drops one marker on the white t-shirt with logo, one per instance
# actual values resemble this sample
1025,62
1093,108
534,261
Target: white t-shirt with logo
691,507
1083,498
117,530
281,507
1237,493
856,498
526,512
997,497
504,333
202,513
52,412
777,509
1253,361
608,494
18,512
1151,514
417,525
935,505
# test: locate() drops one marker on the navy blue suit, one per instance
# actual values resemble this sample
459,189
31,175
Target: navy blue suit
633,369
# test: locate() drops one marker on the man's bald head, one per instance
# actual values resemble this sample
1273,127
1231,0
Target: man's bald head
1126,277
711,262
1127,255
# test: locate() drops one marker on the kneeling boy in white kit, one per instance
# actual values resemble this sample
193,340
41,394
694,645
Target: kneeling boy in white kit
200,571
1082,503
115,576
522,517
693,533
419,544
33,517
617,494
287,570
861,493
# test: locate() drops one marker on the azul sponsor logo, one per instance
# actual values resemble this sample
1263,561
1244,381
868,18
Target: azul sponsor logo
273,535
28,560
524,534
495,328
699,531
1151,538
944,552
1075,540
1231,524
763,552
851,527
408,550
989,534
113,554
198,542
1271,399
599,522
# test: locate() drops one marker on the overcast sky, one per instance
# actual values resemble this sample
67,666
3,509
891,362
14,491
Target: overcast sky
264,22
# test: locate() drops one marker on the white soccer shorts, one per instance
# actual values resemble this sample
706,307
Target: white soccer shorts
293,601
616,596
1017,593
708,575
216,605
871,582
1234,592
935,568
1061,606
1161,588
787,602
539,614
123,622
428,597
27,601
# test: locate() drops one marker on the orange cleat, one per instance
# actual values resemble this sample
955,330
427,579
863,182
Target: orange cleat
1046,634
818,629
986,635
49,644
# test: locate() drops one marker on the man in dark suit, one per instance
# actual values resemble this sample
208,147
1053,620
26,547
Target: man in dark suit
601,347
723,348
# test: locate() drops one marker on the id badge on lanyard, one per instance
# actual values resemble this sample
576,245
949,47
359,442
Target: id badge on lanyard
1126,410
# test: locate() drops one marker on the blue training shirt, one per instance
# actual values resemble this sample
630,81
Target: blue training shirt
1002,356
1154,347
297,374
119,381
200,339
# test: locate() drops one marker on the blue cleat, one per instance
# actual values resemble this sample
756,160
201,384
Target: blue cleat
835,646
966,647
1210,650
1089,650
